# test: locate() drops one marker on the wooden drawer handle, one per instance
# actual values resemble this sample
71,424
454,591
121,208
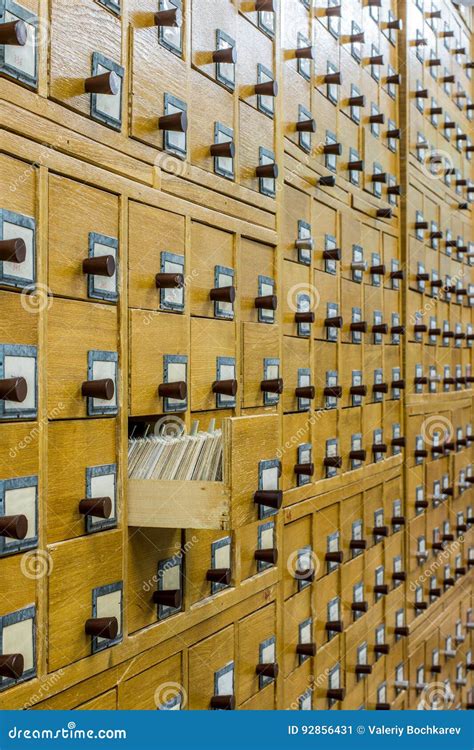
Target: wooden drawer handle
269,302
14,33
380,328
394,79
267,88
171,17
11,666
225,387
327,181
381,589
269,498
378,270
103,265
306,470
176,390
223,149
333,390
304,317
434,62
334,322
334,79
267,670
223,294
267,170
307,391
305,53
265,6
334,557
376,60
104,389
355,166
306,649
105,83
219,575
399,575
379,448
168,598
13,527
225,55
422,42
102,627
356,101
399,274
358,544
13,251
334,462
446,79
169,280
332,149
304,243
177,122
395,133
377,119
269,556
99,507
358,390
335,626
359,326
363,669
306,126
401,385
272,386
394,190
335,694
223,702
384,213
358,38
332,254
381,648
395,25
333,11
449,125
359,455
13,389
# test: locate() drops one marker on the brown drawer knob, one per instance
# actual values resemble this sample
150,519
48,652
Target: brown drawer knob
334,557
306,470
223,702
266,88
377,270
356,39
100,507
14,33
376,60
306,126
169,280
103,265
394,79
333,390
334,149
269,302
359,455
394,190
379,177
380,388
223,294
268,6
269,556
333,11
168,598
305,53
219,575
13,527
394,133
380,531
356,101
379,448
460,571
382,707
355,166
13,251
267,171
225,387
177,122
267,670
226,55
435,62
305,575
327,180
333,253
334,322
226,149
335,626
382,648
421,94
399,442
269,498
380,328
358,390
395,25
401,331
11,666
306,649
333,79
13,389
102,627
363,669
103,389
360,606
272,386
358,544
381,589
304,317
335,694
307,391
105,83
384,213
171,17
176,390
399,575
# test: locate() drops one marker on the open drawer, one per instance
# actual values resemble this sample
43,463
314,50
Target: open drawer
251,477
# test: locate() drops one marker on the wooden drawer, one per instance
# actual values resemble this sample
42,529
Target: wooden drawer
327,446
93,473
214,27
87,220
213,358
97,588
160,687
257,272
155,562
19,354
17,219
152,52
255,51
260,535
352,311
76,56
89,352
156,239
210,551
351,439
325,374
21,62
256,132
18,628
212,269
261,362
352,374
210,105
159,354
105,702
297,449
296,373
327,289
256,645
296,225
298,555
211,669
298,628
297,296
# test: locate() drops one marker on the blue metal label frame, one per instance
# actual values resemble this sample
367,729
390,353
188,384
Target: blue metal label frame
112,242
100,356
7,6
13,546
26,222
28,613
17,411
92,523
100,60
96,594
